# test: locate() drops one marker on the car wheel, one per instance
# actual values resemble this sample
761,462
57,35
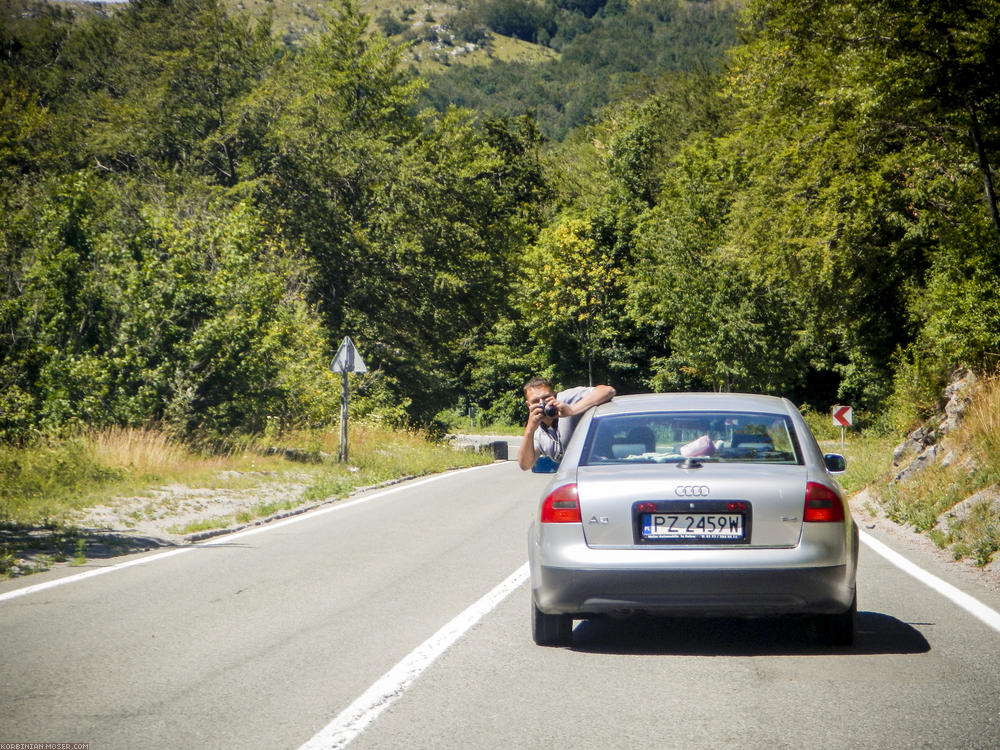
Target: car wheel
550,630
838,630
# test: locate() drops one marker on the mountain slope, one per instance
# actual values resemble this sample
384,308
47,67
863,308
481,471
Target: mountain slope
580,63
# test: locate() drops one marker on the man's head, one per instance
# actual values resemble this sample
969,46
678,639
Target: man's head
537,390
538,382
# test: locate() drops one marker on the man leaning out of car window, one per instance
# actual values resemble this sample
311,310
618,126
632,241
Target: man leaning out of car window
553,416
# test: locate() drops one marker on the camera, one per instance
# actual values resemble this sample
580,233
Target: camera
549,408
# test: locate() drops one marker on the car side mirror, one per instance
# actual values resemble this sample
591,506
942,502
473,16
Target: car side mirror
545,465
835,463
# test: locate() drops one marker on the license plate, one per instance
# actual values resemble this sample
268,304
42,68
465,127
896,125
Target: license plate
694,526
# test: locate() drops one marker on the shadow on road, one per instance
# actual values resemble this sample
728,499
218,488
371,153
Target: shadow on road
876,634
28,549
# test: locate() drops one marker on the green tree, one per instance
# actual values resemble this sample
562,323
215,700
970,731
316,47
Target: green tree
413,222
854,116
503,362
608,57
149,88
569,293
458,213
721,328
927,69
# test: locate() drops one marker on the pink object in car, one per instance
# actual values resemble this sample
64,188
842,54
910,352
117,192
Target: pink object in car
703,446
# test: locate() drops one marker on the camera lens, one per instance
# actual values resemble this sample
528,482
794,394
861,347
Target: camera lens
549,409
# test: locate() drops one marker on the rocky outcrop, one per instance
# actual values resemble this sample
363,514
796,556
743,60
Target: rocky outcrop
923,446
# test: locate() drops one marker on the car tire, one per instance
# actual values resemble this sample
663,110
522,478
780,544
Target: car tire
550,630
838,630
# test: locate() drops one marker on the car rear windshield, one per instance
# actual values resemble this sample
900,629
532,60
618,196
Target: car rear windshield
707,436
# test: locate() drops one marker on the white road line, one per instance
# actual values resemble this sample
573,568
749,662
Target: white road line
354,719
957,596
90,574
227,538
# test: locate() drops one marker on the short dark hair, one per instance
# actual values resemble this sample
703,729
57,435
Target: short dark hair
538,382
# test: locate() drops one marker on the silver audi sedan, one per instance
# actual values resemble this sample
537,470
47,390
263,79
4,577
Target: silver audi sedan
693,505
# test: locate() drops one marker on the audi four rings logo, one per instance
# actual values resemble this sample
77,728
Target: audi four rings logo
692,490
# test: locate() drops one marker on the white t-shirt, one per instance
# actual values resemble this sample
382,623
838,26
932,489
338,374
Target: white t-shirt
552,441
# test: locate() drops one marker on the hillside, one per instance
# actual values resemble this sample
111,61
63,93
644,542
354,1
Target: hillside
561,60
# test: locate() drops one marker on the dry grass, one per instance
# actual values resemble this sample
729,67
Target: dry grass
140,484
980,432
145,452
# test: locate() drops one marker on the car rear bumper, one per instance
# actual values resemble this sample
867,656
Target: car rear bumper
724,593
817,576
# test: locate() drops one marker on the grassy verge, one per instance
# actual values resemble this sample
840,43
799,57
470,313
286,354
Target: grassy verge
42,487
869,460
45,486
928,500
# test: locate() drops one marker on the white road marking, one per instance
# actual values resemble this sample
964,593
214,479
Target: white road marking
227,538
354,719
970,604
90,574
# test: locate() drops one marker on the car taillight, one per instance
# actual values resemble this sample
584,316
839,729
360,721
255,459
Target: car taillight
562,506
822,504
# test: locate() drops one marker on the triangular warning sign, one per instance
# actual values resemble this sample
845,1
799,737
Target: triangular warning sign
348,358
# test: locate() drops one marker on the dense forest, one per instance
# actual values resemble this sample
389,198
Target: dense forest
195,214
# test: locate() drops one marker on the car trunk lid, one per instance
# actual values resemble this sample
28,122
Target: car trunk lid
770,497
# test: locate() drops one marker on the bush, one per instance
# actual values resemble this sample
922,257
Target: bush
390,25
156,311
916,391
820,423
521,19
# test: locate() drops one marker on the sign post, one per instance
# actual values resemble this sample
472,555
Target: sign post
348,359
843,417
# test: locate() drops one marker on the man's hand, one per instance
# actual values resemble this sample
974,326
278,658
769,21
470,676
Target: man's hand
535,416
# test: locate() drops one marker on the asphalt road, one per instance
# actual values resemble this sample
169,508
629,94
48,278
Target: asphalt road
263,640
